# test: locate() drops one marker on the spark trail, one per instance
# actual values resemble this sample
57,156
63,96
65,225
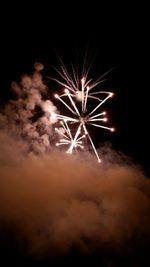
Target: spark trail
68,139
79,94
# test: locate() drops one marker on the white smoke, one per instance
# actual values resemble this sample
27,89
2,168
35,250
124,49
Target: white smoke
30,115
57,201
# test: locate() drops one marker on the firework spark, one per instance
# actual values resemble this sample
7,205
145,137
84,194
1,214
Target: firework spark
68,139
81,92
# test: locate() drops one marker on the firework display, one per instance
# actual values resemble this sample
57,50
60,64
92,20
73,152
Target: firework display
76,97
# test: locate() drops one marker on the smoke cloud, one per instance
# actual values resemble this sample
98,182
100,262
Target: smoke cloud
30,114
57,202
53,204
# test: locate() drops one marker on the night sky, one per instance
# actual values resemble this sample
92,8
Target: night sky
115,36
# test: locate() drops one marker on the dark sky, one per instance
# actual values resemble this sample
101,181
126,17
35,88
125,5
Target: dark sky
116,35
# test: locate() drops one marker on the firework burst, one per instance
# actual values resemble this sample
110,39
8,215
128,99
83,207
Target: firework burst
68,139
78,93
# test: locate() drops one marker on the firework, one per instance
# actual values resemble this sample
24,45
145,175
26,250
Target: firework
68,139
76,91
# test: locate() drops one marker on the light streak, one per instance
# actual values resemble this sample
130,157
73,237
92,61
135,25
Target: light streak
69,140
81,93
